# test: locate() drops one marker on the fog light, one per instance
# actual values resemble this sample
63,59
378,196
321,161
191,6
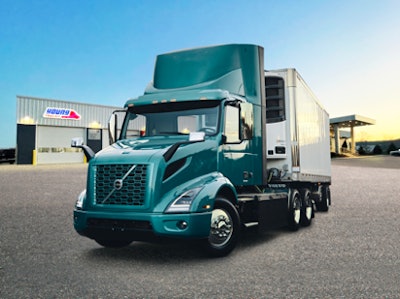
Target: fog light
182,225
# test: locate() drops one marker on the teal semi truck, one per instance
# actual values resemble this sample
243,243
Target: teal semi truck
214,144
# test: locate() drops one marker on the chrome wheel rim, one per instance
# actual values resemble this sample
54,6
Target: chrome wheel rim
308,212
297,215
296,208
221,229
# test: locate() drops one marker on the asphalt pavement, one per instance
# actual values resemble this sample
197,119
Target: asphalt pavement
350,252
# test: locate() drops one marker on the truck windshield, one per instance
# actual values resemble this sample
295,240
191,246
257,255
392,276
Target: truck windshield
172,119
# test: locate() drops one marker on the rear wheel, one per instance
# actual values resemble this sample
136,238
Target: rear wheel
224,228
306,208
113,243
325,202
294,210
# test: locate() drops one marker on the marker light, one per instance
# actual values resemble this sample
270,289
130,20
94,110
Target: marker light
81,198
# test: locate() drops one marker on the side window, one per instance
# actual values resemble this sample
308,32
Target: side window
231,127
275,99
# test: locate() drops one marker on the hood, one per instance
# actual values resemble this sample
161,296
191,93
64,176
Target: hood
142,150
141,162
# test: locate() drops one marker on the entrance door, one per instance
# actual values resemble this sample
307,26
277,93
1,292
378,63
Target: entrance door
26,137
94,139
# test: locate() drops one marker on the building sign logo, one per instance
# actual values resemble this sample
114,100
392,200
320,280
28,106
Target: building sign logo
62,113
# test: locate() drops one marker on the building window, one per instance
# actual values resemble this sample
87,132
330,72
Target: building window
58,150
94,134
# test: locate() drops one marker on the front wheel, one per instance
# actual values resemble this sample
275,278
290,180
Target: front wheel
224,228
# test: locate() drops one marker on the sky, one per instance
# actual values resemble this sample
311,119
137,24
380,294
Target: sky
103,51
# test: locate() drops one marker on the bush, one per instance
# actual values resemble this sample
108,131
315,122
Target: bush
392,147
377,150
361,151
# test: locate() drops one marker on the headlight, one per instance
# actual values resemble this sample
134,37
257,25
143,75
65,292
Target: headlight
79,202
183,202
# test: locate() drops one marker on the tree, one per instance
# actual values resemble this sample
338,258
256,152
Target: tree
377,150
361,151
392,147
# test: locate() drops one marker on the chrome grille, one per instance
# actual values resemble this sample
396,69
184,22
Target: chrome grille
120,184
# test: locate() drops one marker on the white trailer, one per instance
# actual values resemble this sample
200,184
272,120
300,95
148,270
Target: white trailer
297,129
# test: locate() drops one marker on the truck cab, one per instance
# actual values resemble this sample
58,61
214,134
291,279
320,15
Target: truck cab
163,173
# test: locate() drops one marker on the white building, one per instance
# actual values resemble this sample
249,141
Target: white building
45,128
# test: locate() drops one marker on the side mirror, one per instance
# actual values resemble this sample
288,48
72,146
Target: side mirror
112,128
78,142
232,125
246,121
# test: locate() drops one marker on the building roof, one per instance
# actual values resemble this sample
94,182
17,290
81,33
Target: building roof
50,112
352,121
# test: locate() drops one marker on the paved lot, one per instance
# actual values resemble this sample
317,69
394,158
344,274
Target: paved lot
350,252
380,161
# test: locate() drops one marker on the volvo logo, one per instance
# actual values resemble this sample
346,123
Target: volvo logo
118,184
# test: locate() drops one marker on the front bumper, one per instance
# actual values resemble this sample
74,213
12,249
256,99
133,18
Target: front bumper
135,226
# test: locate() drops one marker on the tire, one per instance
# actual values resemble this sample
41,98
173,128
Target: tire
294,210
325,202
224,229
306,214
113,243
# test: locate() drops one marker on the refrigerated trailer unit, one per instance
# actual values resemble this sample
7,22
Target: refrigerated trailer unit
298,140
214,143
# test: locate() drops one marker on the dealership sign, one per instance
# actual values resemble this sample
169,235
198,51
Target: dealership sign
62,113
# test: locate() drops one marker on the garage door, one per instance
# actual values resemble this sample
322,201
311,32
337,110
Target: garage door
54,145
